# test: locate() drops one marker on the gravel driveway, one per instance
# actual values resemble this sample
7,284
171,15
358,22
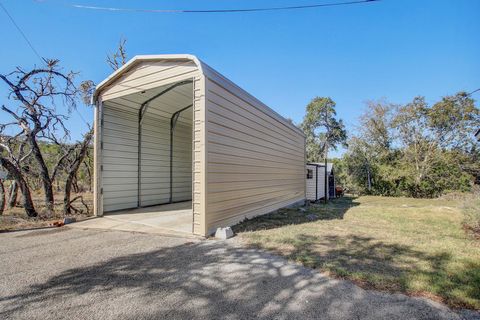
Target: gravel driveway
86,274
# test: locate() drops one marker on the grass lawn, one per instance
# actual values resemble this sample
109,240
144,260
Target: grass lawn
413,246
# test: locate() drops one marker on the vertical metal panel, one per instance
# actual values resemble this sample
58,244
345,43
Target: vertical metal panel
97,155
119,157
199,182
141,113
173,122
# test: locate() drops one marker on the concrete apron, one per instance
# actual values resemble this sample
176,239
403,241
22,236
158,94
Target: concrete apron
170,219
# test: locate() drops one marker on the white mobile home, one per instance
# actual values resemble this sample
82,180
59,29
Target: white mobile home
170,129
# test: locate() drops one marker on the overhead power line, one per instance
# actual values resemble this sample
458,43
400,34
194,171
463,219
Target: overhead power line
33,49
21,32
317,5
469,94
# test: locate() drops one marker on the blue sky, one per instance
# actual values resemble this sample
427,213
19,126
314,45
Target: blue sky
393,49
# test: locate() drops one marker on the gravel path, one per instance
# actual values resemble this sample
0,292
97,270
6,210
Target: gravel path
80,274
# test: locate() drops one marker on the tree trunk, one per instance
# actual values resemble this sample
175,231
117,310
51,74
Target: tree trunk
68,191
44,175
75,184
89,174
2,197
13,194
369,180
73,171
17,175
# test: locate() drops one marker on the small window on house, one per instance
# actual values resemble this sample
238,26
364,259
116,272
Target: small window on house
309,174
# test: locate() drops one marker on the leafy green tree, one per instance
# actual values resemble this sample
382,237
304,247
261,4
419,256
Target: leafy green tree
370,156
358,166
428,136
322,129
415,149
453,122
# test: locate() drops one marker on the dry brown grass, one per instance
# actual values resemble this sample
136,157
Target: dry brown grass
16,219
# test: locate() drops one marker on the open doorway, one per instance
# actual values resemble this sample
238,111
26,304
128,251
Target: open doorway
147,157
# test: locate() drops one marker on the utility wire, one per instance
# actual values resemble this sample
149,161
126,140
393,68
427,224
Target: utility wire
21,32
34,50
317,5
469,94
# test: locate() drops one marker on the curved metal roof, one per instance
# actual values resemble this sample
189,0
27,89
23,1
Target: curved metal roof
205,69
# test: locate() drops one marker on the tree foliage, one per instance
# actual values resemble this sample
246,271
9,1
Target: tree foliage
414,149
322,129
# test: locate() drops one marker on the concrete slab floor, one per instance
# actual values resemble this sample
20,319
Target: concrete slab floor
168,219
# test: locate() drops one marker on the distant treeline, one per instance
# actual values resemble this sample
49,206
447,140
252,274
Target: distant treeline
414,149
82,181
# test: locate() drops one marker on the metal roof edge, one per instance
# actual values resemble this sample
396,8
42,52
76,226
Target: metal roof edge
204,69
141,58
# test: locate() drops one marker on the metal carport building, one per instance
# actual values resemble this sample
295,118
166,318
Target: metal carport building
170,129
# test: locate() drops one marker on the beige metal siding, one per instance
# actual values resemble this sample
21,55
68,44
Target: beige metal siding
122,100
155,165
182,162
97,155
199,157
120,157
255,158
149,75
246,159
155,162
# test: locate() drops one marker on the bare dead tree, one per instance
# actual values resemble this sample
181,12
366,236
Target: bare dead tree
16,174
65,152
83,203
119,57
75,187
14,149
2,197
74,165
87,163
86,91
36,115
12,157
12,195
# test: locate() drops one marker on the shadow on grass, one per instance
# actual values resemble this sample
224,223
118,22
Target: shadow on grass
391,267
213,280
334,209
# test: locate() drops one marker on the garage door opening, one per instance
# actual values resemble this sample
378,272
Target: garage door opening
147,157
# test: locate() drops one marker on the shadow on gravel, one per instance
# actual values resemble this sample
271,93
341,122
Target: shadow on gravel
210,280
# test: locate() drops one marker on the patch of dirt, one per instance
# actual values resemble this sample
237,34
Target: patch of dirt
474,232
15,218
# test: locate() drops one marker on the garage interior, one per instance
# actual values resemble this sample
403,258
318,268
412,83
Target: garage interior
147,157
